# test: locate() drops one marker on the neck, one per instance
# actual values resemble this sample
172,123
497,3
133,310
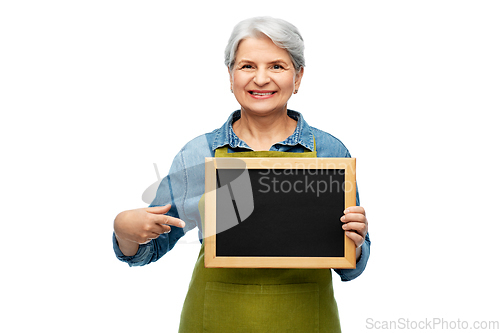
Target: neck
260,132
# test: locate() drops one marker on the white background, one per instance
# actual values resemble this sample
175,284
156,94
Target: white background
92,93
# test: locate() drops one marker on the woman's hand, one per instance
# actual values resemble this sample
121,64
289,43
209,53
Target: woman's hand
356,226
140,226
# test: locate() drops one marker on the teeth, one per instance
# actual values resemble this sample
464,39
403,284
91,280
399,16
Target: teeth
262,94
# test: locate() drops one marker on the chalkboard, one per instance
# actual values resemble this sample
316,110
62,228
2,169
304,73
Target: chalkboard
278,212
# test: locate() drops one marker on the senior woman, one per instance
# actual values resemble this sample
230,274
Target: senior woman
265,61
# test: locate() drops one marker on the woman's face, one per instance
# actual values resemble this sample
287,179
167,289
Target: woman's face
263,77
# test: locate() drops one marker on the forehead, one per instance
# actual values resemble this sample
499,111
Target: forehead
260,49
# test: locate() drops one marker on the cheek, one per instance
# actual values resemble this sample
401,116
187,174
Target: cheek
286,81
287,84
240,80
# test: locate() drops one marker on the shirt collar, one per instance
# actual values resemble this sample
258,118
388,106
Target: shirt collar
302,134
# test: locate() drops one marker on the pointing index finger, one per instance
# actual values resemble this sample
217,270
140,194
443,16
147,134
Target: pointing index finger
170,220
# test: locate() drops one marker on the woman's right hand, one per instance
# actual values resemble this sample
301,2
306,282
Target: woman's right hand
140,226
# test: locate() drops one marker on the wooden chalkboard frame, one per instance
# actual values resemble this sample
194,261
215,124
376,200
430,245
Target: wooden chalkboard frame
212,164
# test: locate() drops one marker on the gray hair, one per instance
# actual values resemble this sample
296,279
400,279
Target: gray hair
281,32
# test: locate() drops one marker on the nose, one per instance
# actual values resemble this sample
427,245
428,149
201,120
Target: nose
261,77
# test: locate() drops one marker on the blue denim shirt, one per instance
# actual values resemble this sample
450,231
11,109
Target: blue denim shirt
185,184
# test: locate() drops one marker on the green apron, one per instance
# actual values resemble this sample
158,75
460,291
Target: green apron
260,300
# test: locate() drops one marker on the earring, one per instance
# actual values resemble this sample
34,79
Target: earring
296,91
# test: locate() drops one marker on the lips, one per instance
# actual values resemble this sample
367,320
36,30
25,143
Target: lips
261,94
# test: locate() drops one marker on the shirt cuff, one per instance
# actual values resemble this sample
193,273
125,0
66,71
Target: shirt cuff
141,258
351,274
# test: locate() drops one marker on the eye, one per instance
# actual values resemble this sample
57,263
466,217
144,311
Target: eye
246,67
277,67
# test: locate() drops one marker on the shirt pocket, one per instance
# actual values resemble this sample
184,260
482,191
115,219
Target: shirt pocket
261,308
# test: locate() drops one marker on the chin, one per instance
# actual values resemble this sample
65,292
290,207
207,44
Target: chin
263,108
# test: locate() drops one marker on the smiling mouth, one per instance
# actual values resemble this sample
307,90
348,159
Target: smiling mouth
258,93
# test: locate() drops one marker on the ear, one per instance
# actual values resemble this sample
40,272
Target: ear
298,78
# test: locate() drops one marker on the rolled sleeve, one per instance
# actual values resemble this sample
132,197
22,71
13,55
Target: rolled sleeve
351,274
142,256
152,251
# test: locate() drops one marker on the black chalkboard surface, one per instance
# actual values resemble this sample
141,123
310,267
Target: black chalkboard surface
278,212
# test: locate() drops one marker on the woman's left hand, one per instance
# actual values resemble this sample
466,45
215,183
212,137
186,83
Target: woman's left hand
355,224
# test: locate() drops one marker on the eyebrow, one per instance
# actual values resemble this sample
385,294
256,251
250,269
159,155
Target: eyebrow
277,61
